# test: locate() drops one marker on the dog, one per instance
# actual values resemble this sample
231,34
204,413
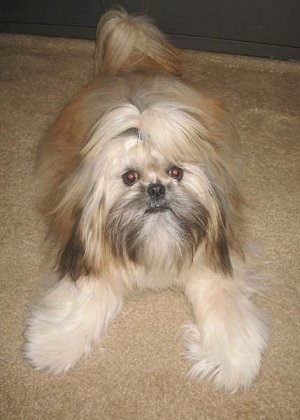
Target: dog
138,186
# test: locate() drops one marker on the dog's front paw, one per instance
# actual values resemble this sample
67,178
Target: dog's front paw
229,357
66,322
56,335
52,347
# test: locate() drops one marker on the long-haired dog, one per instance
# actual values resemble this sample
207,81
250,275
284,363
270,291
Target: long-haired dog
139,191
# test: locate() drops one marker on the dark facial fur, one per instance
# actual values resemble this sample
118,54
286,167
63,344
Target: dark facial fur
177,220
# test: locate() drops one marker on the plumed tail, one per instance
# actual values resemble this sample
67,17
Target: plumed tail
132,43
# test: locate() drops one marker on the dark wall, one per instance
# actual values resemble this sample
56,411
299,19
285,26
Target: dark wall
267,28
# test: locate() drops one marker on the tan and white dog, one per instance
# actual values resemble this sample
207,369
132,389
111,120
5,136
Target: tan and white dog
139,189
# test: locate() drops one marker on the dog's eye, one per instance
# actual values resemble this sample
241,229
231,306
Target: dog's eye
175,172
130,177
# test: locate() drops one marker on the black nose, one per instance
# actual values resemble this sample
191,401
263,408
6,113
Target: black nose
156,190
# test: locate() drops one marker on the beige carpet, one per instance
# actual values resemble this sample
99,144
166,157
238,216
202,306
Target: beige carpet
140,372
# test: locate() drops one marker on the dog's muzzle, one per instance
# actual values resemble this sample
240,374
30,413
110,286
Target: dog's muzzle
157,194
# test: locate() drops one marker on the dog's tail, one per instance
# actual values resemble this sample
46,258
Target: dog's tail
132,43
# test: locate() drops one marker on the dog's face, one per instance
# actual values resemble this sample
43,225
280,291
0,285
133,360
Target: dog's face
148,191
155,219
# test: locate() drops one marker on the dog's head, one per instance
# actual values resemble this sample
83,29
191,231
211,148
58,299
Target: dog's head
152,186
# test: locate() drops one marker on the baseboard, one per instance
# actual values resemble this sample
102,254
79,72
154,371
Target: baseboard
183,41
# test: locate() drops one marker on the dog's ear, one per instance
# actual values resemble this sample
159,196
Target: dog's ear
220,236
221,249
71,260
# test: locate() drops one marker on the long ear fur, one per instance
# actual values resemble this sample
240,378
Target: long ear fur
217,240
132,43
71,259
221,236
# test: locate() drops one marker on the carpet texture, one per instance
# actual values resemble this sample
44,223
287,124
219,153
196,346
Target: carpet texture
139,372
